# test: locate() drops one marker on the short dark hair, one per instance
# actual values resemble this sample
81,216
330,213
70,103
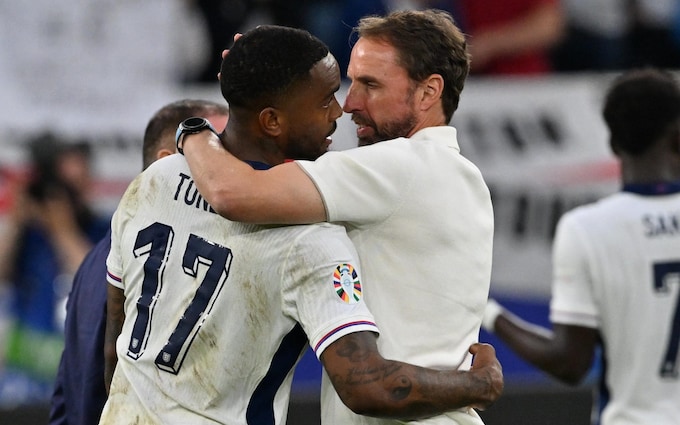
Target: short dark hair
265,62
163,125
640,108
428,42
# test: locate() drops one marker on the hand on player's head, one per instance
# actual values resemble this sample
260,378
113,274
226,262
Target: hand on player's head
225,52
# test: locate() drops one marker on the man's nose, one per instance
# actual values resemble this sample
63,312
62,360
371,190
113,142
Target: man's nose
351,101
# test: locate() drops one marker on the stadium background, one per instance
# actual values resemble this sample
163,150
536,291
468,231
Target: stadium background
540,142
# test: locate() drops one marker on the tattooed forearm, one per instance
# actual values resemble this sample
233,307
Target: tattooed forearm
351,349
367,375
372,385
364,371
398,387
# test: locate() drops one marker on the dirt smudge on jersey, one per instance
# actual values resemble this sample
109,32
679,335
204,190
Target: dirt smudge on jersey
255,297
129,203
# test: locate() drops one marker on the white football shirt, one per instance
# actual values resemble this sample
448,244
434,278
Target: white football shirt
213,308
617,269
420,216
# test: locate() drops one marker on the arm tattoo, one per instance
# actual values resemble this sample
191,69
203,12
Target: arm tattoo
364,371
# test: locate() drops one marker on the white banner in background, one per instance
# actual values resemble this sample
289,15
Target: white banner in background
543,148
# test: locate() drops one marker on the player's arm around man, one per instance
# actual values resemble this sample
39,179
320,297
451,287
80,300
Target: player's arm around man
374,386
368,383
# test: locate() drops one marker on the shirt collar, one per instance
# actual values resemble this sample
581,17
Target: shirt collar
259,165
661,188
442,132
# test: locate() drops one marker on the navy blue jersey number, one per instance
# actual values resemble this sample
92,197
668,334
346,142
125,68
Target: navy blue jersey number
155,242
664,274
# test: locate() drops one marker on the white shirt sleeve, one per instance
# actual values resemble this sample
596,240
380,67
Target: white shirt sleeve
114,261
363,185
322,287
573,301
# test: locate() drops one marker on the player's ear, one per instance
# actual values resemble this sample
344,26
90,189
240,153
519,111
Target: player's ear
271,121
432,88
163,153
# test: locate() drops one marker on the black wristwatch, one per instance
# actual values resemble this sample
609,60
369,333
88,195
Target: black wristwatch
191,125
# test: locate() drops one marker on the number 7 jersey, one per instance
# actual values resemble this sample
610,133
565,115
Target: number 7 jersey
617,269
218,313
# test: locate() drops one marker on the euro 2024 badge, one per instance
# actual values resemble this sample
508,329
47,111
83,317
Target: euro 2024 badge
347,283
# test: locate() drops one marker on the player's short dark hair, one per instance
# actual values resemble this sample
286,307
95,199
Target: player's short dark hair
428,42
162,126
265,62
641,107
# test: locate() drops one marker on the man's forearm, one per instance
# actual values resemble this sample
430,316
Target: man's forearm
371,385
215,171
283,194
419,392
566,352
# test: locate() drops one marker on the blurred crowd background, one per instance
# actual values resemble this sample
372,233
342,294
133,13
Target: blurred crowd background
73,73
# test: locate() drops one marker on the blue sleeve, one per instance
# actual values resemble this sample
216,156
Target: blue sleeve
79,393
58,404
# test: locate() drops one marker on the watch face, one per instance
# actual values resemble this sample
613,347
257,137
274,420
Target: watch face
194,123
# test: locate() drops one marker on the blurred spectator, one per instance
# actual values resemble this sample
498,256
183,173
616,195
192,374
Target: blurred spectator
652,41
223,18
512,37
330,20
613,35
51,228
596,38
508,37
288,13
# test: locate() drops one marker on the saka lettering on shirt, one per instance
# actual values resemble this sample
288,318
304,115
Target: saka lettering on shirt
188,193
661,224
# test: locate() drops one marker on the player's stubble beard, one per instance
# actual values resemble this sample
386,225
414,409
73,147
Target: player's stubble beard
392,129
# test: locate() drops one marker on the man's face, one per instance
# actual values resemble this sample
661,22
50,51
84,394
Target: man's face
381,97
313,112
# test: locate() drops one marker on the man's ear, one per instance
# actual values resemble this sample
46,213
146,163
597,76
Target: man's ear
432,87
272,121
164,152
